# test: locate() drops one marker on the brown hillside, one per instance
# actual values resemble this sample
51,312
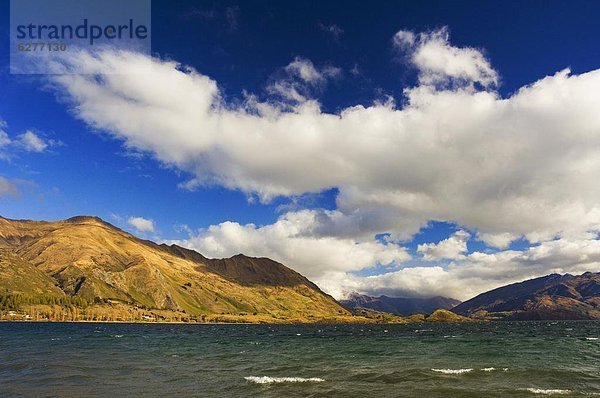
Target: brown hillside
90,259
549,297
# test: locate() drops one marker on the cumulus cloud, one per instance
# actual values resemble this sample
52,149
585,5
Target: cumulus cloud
27,141
141,224
452,248
296,238
300,240
494,165
478,272
456,151
439,62
498,240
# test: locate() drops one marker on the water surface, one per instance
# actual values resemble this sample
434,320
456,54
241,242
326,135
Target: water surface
510,359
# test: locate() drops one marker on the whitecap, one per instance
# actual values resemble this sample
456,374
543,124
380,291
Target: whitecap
488,369
269,380
592,338
452,371
118,336
547,391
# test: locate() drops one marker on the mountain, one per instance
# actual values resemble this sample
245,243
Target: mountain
550,297
397,305
85,261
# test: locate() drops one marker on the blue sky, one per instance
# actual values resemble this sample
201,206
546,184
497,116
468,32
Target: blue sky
85,167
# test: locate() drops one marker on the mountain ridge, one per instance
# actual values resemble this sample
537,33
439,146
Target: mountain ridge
91,259
549,297
99,272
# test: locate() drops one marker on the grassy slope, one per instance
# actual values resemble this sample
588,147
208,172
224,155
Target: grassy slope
19,276
89,258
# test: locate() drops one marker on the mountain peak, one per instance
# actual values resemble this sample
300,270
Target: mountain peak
84,219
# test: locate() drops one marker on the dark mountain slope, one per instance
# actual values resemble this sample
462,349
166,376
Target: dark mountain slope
549,297
399,306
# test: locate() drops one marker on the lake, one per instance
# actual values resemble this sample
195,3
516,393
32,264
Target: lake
500,359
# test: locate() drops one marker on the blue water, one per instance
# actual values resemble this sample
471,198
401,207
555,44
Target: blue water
511,359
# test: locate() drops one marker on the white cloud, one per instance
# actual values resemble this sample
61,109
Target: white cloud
453,248
8,188
500,240
494,165
27,141
437,60
456,151
404,39
301,79
306,71
288,90
31,142
478,272
141,224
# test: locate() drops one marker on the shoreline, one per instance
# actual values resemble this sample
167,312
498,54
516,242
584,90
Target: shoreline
305,323
237,323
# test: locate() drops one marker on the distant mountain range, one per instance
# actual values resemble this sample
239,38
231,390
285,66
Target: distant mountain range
549,297
397,305
85,262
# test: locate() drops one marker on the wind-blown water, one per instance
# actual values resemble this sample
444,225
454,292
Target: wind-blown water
525,359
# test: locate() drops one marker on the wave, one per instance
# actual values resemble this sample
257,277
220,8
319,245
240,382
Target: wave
270,380
467,370
548,391
452,371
